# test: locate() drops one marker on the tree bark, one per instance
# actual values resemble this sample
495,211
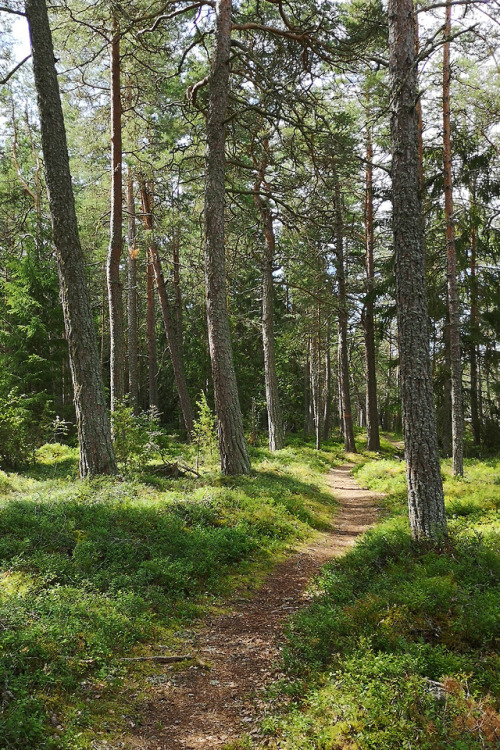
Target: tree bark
154,401
327,399
373,438
177,288
169,322
425,490
94,434
115,296
474,329
348,429
274,414
457,418
132,339
232,446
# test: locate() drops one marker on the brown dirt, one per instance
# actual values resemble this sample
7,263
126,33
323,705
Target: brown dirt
209,706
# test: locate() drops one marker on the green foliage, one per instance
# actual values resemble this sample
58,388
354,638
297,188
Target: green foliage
398,650
137,438
204,429
33,348
20,432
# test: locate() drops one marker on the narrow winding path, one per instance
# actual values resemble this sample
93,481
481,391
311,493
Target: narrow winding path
207,708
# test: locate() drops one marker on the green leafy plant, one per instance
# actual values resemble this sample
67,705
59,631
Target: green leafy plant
21,433
137,437
204,429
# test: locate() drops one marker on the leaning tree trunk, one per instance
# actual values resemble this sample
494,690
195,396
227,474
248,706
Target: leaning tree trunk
132,339
232,446
457,417
169,322
373,438
94,434
274,415
348,429
115,297
425,490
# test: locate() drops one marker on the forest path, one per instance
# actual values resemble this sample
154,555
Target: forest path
207,708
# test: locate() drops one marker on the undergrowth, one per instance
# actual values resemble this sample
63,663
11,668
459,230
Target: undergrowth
400,647
94,571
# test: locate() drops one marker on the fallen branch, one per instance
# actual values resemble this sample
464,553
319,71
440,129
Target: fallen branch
173,470
159,659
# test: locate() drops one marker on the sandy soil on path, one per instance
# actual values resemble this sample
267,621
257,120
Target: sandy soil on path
210,707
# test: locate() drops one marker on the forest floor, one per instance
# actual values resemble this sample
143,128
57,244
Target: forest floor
218,697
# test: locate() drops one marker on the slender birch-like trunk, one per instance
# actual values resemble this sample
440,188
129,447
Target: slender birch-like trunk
274,415
457,417
348,429
169,322
373,438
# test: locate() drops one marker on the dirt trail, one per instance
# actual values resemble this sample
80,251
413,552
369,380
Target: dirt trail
209,707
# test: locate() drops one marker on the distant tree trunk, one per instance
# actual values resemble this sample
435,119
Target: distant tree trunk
474,329
177,288
171,329
232,446
457,417
115,297
274,415
420,123
308,404
154,401
173,343
132,339
348,431
327,405
339,391
316,387
373,438
94,434
445,409
425,490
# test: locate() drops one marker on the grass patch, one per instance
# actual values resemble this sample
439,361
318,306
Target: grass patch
400,647
95,570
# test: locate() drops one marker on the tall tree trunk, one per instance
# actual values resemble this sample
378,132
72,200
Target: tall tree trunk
154,400
327,399
132,339
316,387
457,417
373,438
308,404
94,434
177,287
474,329
232,446
348,430
420,122
171,329
425,490
274,415
115,297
